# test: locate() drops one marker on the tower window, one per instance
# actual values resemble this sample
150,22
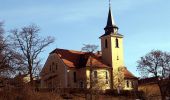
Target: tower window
106,43
117,43
74,76
117,57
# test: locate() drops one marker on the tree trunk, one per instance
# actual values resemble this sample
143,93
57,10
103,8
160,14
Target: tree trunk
162,92
30,75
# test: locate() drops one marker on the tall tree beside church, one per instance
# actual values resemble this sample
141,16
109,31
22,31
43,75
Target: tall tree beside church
29,44
156,64
90,48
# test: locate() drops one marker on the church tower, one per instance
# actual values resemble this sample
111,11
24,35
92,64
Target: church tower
112,54
112,44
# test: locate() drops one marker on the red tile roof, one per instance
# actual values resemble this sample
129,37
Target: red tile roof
79,59
128,74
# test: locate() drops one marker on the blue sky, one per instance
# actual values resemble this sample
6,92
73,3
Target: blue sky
145,24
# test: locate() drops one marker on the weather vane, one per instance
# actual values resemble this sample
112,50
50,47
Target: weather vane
109,3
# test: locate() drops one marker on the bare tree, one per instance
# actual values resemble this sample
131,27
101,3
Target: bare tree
90,48
29,44
118,78
1,30
2,47
156,64
5,54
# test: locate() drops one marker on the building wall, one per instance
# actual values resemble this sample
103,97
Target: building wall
83,78
131,84
151,91
117,53
112,55
106,52
100,82
63,76
80,78
54,73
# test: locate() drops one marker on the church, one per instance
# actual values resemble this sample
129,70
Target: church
72,69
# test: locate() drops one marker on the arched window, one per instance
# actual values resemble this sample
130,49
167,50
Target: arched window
117,43
106,78
106,75
106,43
95,74
127,84
133,84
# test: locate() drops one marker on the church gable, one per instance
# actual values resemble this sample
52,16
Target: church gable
54,72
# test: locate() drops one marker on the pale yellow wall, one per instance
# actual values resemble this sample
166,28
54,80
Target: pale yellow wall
130,85
106,52
101,79
113,55
133,84
60,79
80,77
110,54
26,79
117,52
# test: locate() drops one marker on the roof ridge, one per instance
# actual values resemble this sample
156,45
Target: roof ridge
54,51
128,73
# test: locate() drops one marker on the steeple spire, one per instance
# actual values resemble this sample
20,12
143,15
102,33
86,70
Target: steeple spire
109,3
110,26
110,20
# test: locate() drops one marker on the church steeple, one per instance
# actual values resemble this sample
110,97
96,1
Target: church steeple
110,26
112,43
110,20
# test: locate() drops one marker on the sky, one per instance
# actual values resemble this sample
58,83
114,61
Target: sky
145,24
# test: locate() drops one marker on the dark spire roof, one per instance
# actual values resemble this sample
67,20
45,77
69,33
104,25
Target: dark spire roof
111,28
110,20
